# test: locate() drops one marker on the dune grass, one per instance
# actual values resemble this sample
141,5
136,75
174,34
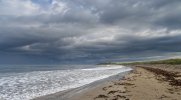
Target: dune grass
168,61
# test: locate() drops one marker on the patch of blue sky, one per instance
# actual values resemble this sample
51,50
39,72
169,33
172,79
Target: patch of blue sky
42,3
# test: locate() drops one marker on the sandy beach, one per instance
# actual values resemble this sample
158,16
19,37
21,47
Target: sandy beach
145,82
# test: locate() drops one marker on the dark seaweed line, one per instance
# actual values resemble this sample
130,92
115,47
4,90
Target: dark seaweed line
169,76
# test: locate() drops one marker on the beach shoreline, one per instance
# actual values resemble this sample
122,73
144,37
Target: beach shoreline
74,92
145,82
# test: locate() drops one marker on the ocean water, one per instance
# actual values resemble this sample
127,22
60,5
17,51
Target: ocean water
27,82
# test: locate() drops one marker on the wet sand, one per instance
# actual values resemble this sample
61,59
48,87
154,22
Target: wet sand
146,82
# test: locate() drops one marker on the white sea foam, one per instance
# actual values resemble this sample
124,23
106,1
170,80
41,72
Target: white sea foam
106,68
25,86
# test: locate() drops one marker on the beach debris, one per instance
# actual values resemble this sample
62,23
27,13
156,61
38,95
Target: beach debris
110,86
101,96
127,84
104,88
168,75
123,83
120,96
112,92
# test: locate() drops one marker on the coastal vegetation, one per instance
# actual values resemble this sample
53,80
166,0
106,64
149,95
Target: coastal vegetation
167,61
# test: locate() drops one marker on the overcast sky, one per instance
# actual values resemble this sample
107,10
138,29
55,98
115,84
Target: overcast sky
88,31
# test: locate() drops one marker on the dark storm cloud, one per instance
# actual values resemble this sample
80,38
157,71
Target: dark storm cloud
162,13
88,30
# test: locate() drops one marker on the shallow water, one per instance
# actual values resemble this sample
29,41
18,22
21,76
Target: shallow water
30,84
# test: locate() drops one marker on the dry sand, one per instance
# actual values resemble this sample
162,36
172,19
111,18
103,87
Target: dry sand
146,82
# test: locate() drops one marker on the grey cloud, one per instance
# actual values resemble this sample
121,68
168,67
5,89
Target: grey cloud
92,30
163,12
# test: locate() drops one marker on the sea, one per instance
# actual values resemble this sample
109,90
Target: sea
25,82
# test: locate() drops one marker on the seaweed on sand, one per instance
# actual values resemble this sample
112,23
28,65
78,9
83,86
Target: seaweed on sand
168,75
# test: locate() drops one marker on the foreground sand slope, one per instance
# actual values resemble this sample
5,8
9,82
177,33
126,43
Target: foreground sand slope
141,84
